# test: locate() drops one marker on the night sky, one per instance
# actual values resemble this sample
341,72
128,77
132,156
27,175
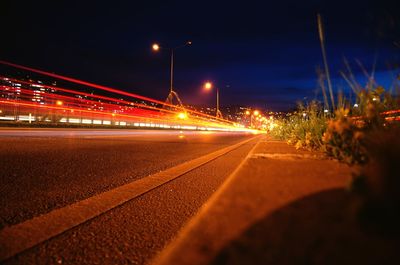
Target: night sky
259,53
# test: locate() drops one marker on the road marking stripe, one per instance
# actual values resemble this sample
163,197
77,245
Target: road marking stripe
169,252
22,236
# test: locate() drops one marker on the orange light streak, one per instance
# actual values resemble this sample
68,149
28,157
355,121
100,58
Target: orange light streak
113,90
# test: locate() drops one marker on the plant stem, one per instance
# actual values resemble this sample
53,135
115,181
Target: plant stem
322,40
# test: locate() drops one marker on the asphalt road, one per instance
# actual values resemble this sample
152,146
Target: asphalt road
41,170
42,173
134,232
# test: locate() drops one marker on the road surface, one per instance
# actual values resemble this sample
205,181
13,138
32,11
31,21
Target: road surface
43,170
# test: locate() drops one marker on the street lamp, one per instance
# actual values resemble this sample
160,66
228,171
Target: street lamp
208,86
248,113
255,113
156,47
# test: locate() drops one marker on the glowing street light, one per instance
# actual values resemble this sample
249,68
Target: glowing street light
156,47
253,115
59,103
208,86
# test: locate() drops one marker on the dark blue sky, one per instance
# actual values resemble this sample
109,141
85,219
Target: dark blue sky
260,53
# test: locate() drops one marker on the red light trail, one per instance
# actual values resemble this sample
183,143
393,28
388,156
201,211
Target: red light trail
108,89
20,99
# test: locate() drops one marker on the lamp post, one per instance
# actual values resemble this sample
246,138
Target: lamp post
255,113
248,113
208,86
156,47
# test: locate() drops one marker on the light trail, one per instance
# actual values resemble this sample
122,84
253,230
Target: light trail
77,81
26,97
74,110
55,104
70,101
190,125
78,104
131,103
113,90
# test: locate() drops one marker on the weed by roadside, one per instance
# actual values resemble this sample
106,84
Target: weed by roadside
342,134
357,135
343,139
304,128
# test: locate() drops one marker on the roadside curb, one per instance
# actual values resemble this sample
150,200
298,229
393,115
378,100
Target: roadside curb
260,185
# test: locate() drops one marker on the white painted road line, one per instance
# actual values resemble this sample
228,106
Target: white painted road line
20,237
